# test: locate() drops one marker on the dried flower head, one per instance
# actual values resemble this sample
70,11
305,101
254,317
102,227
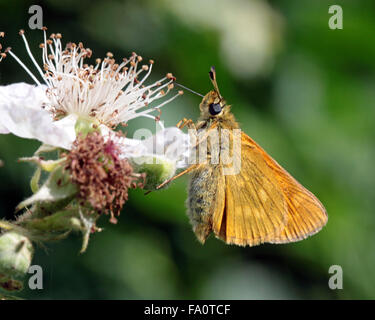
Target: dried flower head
102,177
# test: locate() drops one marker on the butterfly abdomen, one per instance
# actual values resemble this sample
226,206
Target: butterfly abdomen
201,196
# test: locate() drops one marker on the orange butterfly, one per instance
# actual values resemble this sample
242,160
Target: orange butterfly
261,203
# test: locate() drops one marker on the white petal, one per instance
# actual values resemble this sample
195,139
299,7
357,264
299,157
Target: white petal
21,113
130,148
24,94
171,143
67,126
3,130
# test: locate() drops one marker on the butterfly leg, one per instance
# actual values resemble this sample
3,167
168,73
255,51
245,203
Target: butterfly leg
186,122
191,168
191,125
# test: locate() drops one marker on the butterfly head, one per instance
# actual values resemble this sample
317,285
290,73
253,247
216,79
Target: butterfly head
213,104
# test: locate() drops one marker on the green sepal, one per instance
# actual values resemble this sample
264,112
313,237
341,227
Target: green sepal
46,165
34,182
55,193
45,148
157,169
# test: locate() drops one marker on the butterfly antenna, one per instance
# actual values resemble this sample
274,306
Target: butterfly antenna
186,88
212,75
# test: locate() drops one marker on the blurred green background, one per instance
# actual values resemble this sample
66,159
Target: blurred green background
304,92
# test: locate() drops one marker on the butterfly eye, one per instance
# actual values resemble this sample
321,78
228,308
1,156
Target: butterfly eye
214,108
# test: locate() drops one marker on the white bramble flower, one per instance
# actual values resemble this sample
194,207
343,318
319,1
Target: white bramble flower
110,93
77,107
106,93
